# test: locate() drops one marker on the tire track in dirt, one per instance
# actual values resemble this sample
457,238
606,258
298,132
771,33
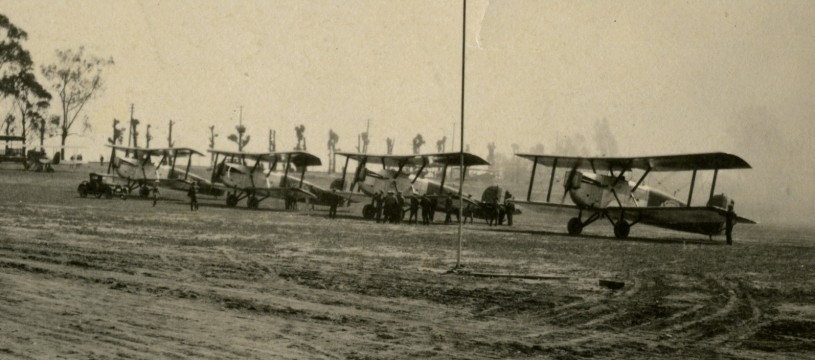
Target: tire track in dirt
121,281
745,327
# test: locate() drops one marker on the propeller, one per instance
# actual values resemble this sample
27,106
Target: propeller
567,186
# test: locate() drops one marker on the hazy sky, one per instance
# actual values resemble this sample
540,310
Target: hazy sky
669,76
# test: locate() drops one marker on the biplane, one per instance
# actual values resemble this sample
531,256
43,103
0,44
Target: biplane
604,193
395,175
142,167
258,176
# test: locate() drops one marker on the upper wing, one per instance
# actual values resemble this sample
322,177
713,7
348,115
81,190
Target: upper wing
704,161
171,151
297,158
455,159
436,159
386,160
257,156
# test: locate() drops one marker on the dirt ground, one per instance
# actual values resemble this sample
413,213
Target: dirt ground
95,278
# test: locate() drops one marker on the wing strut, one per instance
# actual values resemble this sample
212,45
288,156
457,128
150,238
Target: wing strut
401,166
272,166
344,172
302,175
172,164
424,163
189,162
692,183
215,169
532,178
551,180
443,177
286,173
641,179
713,186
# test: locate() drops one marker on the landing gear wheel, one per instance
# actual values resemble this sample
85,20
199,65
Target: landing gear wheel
252,202
231,200
368,211
575,226
144,192
621,229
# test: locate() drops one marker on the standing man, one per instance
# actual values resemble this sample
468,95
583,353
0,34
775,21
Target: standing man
399,211
332,209
425,205
193,194
729,221
378,203
469,210
414,210
154,193
391,207
509,207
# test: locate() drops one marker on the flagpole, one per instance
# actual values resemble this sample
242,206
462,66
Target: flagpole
461,142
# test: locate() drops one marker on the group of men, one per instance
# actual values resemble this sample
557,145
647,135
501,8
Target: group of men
389,208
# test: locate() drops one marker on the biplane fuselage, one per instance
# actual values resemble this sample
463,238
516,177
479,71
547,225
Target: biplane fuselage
596,191
144,167
401,174
626,203
257,176
130,168
242,177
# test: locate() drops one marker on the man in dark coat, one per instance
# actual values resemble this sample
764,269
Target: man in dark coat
193,194
399,211
425,204
378,203
448,208
391,207
509,207
414,210
332,210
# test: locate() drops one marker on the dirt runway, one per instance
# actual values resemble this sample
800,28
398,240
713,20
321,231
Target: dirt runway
96,278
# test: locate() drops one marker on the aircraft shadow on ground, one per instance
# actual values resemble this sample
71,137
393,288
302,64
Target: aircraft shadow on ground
601,237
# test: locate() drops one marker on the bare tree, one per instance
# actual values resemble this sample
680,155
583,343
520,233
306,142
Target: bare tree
239,138
170,142
441,144
389,143
301,139
362,142
118,133
418,141
76,78
212,136
147,136
134,132
333,138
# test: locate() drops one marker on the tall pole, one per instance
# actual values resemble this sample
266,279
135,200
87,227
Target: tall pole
461,152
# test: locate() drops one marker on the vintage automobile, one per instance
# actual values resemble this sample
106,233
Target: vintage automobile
97,186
